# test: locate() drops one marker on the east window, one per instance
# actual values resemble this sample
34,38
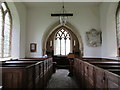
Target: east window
62,42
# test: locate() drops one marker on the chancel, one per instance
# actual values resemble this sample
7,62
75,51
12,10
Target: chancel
42,47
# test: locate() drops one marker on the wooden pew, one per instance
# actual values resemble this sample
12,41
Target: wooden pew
111,66
47,67
36,72
17,75
98,74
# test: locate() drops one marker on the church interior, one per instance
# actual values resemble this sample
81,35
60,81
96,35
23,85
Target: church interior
52,45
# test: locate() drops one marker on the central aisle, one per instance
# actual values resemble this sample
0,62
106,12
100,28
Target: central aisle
60,79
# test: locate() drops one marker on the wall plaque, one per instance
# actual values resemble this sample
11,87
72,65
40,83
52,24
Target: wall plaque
94,38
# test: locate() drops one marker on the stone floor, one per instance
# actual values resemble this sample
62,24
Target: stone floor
60,79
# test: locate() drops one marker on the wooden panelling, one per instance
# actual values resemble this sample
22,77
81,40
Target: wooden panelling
99,78
85,66
113,80
12,78
91,82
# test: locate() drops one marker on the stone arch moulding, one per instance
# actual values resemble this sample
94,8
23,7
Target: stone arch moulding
53,29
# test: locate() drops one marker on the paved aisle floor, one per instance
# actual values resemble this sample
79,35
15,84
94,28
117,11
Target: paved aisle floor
60,79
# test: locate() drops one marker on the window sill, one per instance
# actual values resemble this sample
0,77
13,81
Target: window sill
5,59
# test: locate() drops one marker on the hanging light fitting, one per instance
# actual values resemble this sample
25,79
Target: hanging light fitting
62,16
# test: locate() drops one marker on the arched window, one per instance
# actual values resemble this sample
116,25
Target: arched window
5,31
62,42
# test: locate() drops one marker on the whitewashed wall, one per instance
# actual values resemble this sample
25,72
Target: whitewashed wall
39,21
22,11
15,30
18,11
108,27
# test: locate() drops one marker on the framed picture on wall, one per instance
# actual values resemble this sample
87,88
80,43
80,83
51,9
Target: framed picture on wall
33,47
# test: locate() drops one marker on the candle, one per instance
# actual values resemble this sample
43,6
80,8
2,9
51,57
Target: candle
50,43
74,42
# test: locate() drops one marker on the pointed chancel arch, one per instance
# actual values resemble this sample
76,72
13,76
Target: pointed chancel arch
62,41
